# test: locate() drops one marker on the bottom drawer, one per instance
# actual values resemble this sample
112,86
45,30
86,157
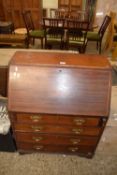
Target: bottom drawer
45,139
55,149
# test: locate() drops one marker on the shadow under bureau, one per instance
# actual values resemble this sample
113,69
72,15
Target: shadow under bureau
58,102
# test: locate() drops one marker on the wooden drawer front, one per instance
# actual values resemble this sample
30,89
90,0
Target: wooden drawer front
57,119
53,148
92,131
54,140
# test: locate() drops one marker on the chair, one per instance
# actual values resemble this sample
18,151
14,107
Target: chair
54,32
32,33
77,35
61,13
114,48
77,15
111,39
74,15
111,33
98,36
52,12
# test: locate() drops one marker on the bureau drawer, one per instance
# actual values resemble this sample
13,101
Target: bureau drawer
55,139
52,148
58,119
56,129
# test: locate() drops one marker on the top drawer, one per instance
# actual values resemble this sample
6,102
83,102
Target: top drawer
57,119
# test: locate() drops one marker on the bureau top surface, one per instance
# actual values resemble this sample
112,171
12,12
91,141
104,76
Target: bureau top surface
65,88
59,59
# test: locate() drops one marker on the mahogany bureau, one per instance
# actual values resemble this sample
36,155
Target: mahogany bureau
58,102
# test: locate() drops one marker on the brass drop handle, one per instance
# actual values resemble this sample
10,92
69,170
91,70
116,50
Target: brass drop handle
75,141
77,130
79,121
35,118
37,139
36,128
38,147
73,149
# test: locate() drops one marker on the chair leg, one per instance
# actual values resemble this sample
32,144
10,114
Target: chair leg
27,43
100,47
33,41
84,48
45,46
97,45
66,45
48,46
45,43
81,50
62,45
41,43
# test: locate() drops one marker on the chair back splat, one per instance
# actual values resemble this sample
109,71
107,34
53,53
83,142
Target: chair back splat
54,32
77,35
98,36
104,25
31,31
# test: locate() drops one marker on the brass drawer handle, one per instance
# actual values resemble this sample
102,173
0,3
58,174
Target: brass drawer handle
73,149
38,147
79,121
75,141
37,139
36,128
35,118
77,131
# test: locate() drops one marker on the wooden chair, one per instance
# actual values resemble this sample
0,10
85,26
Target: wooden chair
77,35
54,32
61,13
52,12
98,36
74,15
111,37
32,33
111,33
114,39
77,15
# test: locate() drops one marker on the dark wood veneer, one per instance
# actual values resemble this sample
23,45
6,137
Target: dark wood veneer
54,98
3,80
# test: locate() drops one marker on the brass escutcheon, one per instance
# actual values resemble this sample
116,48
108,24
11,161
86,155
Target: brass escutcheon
75,141
35,118
73,149
36,128
79,121
77,131
37,139
38,147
